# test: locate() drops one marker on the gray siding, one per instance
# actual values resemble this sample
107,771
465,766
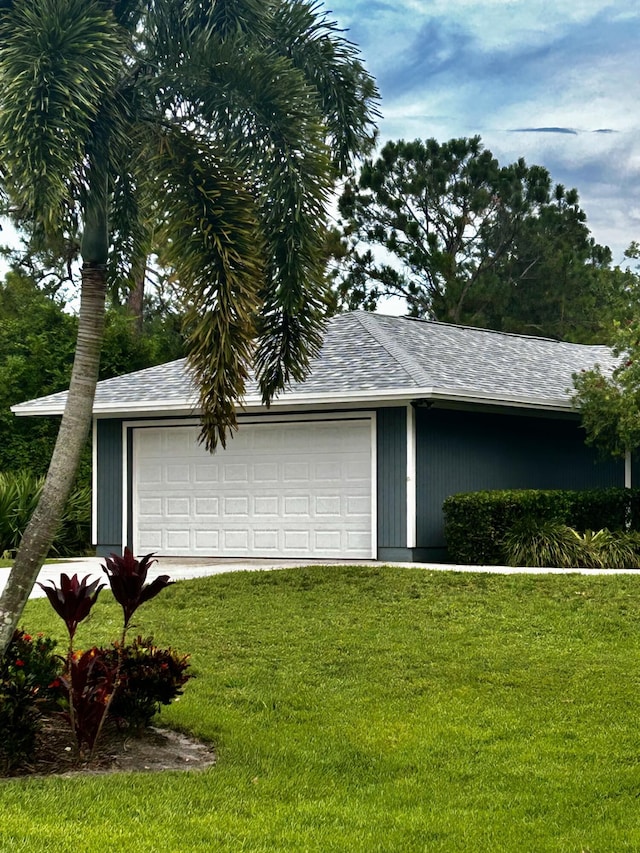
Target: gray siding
469,451
109,484
392,479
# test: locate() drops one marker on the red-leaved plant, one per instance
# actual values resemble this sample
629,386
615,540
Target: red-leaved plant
72,601
91,682
127,578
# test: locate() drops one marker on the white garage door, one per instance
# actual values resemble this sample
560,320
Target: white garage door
279,489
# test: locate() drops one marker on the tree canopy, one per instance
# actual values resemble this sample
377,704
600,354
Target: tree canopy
213,131
465,240
609,405
37,342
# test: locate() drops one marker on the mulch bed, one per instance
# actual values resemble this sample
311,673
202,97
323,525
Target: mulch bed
119,751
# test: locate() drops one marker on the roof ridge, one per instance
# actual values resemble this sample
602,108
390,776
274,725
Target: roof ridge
521,335
408,363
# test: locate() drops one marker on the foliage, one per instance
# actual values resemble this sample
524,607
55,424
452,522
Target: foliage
37,659
149,678
462,239
127,578
92,678
74,531
19,494
37,339
73,599
211,137
128,347
89,682
28,678
605,549
476,523
548,543
609,400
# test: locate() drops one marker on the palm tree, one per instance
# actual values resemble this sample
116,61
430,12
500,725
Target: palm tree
217,128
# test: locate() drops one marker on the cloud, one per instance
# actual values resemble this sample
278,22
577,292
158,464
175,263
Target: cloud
544,130
554,83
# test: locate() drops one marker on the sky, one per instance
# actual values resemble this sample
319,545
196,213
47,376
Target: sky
557,83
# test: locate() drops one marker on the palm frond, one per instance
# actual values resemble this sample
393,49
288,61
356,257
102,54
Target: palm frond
57,58
212,240
331,65
133,213
266,113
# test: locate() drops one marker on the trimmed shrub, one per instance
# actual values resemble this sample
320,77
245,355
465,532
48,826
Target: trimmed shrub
597,509
476,523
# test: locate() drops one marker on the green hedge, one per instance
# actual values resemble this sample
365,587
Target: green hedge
477,522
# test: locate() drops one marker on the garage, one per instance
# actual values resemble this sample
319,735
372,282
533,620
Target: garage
290,489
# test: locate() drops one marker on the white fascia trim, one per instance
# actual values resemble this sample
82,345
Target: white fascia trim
399,395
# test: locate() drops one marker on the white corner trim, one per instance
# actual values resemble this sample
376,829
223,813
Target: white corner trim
94,482
411,477
627,469
374,486
125,486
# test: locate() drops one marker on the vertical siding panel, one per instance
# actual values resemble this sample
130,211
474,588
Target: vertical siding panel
392,477
468,451
109,485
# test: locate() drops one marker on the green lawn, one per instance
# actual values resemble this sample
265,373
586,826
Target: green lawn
374,710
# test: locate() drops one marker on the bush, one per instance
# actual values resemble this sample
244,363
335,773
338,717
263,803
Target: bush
150,677
19,494
28,682
610,549
477,523
551,544
545,544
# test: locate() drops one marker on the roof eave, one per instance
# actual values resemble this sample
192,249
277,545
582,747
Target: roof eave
295,400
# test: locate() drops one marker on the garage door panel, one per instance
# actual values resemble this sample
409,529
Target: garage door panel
290,489
205,508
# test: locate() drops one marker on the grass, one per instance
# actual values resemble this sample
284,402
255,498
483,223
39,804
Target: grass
6,564
374,709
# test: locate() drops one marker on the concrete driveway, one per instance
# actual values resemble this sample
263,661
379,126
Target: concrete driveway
184,569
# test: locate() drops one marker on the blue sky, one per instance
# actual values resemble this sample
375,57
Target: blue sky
557,83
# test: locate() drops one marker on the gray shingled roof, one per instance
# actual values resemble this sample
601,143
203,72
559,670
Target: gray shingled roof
376,357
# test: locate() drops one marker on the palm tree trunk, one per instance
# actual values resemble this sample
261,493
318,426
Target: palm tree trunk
74,428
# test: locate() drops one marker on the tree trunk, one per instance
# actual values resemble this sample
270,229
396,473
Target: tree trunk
135,299
74,428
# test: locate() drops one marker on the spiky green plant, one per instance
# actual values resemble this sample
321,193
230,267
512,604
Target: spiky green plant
543,544
19,495
605,549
